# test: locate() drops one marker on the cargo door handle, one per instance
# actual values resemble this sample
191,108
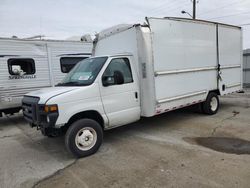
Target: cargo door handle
136,95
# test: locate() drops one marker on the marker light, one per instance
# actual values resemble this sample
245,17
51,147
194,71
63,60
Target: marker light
51,108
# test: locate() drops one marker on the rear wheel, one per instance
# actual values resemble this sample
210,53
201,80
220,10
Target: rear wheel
84,137
211,105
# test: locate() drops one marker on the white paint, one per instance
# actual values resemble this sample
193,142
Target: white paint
246,68
46,54
167,45
119,101
230,58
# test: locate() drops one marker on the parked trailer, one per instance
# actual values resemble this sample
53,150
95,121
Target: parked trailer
139,71
246,68
28,65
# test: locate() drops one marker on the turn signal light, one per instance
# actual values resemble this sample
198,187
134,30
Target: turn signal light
50,108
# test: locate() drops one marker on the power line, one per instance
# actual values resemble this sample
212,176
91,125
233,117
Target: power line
173,9
247,24
231,15
163,6
166,8
160,9
178,7
222,7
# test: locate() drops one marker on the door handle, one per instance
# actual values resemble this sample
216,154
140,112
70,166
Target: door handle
136,95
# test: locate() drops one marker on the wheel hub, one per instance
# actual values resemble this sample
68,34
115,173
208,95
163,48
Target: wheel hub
214,104
86,138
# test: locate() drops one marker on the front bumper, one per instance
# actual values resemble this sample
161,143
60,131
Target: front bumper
34,113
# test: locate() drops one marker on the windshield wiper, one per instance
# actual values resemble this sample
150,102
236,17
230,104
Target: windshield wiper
71,84
68,84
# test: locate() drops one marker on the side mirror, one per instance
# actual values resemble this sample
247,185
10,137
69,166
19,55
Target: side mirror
116,79
107,80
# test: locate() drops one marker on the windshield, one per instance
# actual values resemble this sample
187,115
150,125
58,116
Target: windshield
84,72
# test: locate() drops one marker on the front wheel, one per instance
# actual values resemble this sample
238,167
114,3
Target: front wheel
211,105
84,137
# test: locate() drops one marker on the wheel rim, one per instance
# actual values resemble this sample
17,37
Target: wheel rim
214,104
86,138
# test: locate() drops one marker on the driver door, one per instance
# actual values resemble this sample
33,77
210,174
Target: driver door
120,100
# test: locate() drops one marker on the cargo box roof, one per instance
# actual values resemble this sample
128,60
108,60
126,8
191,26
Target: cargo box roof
123,27
196,20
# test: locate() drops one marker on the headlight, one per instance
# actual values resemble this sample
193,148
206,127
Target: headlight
51,108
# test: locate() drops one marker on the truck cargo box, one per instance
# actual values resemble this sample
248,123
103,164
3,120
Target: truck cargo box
179,61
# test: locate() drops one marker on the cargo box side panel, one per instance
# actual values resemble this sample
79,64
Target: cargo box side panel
185,62
146,70
230,58
119,43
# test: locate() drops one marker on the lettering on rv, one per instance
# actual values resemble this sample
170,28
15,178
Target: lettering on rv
14,77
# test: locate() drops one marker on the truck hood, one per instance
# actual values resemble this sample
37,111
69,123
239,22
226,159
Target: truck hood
48,93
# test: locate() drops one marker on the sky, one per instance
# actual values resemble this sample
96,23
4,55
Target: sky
61,19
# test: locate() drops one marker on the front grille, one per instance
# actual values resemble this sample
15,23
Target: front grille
30,109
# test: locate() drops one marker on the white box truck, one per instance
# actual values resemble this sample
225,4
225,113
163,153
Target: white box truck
29,64
139,71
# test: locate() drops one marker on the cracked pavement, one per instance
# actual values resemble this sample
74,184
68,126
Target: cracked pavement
154,152
26,156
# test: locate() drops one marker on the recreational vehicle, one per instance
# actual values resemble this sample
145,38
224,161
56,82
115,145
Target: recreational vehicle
139,71
28,65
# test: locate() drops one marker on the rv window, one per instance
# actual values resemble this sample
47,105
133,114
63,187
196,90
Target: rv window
67,63
21,66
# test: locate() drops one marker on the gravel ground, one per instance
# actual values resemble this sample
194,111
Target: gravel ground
177,149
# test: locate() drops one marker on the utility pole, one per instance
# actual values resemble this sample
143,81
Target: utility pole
194,9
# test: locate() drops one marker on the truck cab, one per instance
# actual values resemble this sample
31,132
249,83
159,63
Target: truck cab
103,91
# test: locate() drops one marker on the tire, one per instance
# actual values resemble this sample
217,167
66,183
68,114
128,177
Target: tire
84,137
211,105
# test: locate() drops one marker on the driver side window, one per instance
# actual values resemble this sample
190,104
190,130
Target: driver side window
121,65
